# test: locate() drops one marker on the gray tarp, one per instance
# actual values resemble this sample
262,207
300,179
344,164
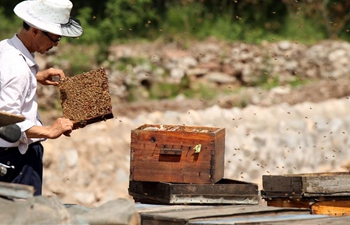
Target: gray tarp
49,210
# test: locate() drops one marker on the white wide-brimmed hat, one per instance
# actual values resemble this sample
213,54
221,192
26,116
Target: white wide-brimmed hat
52,16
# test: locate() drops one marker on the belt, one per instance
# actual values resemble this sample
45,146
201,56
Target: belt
7,148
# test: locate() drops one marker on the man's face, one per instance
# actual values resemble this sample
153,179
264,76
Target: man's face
45,41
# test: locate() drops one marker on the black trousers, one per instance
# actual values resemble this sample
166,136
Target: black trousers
28,167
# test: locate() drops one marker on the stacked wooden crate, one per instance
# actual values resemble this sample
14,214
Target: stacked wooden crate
322,193
178,164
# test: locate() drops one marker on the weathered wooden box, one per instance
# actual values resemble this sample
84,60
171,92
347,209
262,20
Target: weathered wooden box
177,154
323,193
225,191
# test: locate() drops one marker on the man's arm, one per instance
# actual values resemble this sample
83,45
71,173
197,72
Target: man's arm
60,126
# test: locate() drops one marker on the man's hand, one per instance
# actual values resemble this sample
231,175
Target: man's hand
61,126
50,76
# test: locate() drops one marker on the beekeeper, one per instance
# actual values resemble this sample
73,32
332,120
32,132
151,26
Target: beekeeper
45,22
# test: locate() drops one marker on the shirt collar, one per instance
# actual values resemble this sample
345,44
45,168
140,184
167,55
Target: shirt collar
29,57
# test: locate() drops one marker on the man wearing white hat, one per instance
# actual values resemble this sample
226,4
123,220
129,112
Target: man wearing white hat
44,23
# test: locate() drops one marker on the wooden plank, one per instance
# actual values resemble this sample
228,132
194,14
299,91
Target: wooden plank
336,184
282,218
332,208
286,202
280,185
285,183
7,118
306,185
148,192
11,190
184,215
201,215
83,123
327,220
153,159
156,208
225,191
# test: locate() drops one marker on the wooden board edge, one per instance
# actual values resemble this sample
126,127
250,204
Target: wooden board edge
82,124
331,208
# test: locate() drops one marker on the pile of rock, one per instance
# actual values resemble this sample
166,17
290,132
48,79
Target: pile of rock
235,63
216,63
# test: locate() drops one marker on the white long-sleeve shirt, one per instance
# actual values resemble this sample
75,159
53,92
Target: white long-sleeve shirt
18,85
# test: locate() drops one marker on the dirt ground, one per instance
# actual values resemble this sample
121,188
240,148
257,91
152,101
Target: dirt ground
81,177
316,91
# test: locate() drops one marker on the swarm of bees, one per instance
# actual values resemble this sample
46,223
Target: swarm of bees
85,96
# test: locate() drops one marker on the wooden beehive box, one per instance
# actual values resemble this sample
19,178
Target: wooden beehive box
323,193
177,154
225,191
85,98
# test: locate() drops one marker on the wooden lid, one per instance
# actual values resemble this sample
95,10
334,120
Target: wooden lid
9,118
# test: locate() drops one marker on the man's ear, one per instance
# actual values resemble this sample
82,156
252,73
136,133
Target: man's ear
35,31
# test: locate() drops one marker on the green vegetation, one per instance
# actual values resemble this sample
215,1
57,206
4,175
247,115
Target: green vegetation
110,21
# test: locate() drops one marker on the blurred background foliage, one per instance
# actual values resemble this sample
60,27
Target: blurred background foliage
109,21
